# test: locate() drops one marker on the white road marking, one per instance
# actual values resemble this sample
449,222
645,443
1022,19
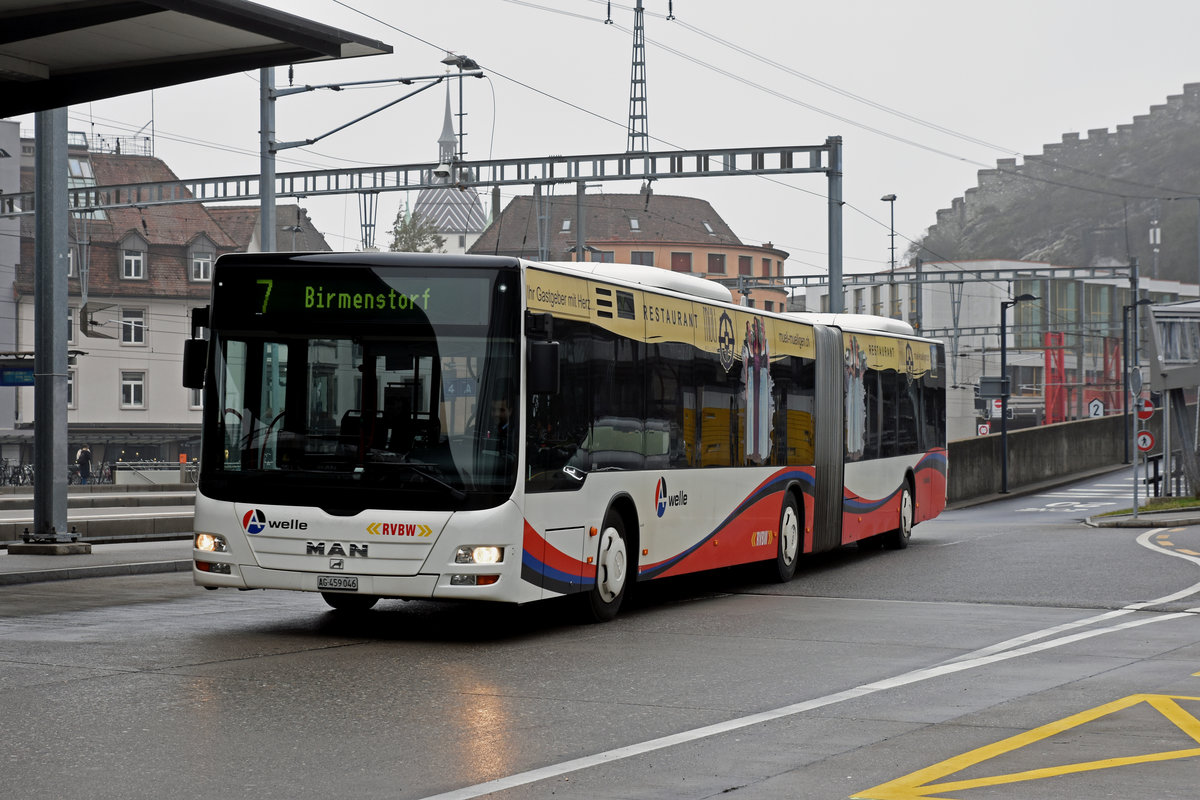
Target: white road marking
1013,648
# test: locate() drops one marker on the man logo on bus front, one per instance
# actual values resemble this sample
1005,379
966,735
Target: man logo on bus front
255,521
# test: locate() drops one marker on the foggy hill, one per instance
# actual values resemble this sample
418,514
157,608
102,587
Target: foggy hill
1088,200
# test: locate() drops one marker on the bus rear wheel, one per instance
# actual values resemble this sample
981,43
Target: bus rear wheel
350,602
612,571
898,539
788,552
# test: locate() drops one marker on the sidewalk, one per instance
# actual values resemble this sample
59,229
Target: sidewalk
131,558
1175,518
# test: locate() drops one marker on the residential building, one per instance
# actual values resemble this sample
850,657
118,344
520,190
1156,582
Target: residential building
134,276
683,234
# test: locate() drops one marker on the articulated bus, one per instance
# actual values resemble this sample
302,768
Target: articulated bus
488,428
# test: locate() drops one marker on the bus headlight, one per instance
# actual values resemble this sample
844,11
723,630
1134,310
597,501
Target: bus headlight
211,543
477,554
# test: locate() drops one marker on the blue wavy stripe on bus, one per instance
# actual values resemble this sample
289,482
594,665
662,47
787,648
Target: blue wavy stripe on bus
772,485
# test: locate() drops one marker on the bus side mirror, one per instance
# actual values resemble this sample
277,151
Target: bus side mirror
195,354
543,368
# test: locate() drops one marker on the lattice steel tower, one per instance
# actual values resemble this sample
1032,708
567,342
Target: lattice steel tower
638,140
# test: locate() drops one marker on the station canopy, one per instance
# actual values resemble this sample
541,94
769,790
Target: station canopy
55,54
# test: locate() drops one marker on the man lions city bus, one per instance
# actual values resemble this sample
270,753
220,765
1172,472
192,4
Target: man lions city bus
486,428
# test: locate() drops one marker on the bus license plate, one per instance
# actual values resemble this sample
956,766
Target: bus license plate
344,583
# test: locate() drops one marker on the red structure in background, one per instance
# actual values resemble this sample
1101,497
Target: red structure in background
1056,378
1112,374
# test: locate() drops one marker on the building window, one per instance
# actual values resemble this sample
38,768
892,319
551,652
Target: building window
70,326
606,256
71,262
462,241
745,265
195,398
134,265
644,257
70,388
133,389
681,262
566,225
202,266
766,267
709,228
633,224
133,326
716,263
768,305
877,300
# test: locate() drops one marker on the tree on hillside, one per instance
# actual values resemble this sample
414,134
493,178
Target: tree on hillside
412,234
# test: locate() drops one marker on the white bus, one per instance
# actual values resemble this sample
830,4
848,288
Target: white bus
488,428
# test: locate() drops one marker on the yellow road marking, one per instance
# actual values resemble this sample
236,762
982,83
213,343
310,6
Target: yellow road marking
922,783
1187,552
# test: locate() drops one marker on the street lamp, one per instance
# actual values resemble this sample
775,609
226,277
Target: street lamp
890,199
1004,306
463,63
1125,359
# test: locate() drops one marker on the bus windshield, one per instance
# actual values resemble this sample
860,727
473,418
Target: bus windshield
403,414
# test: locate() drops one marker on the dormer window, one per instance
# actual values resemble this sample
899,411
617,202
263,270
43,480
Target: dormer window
201,253
633,224
133,257
566,225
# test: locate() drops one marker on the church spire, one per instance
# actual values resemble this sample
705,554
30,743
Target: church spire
447,142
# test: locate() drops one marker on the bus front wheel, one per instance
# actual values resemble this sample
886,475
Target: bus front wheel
788,552
612,571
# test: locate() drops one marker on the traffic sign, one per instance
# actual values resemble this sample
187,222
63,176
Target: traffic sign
1145,408
1135,381
984,428
1145,441
1096,407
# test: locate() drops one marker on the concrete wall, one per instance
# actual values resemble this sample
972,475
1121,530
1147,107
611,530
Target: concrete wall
1039,454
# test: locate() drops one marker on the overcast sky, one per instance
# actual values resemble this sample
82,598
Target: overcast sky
924,94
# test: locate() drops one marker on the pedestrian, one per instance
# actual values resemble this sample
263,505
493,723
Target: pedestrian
84,459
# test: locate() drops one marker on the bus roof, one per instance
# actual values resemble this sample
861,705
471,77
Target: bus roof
867,323
655,277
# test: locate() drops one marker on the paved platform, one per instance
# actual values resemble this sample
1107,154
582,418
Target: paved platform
105,560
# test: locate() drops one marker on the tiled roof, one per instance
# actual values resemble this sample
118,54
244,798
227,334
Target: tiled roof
451,210
241,224
607,217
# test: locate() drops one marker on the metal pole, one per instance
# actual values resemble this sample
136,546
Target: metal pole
1004,397
50,329
919,287
1166,442
1125,377
579,236
837,303
266,178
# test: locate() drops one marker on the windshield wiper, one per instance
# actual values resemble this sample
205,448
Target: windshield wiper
420,468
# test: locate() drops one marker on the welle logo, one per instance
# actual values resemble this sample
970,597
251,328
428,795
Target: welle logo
663,500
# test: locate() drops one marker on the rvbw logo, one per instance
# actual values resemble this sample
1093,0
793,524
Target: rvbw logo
662,500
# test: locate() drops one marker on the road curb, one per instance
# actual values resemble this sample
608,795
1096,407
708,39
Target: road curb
99,571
